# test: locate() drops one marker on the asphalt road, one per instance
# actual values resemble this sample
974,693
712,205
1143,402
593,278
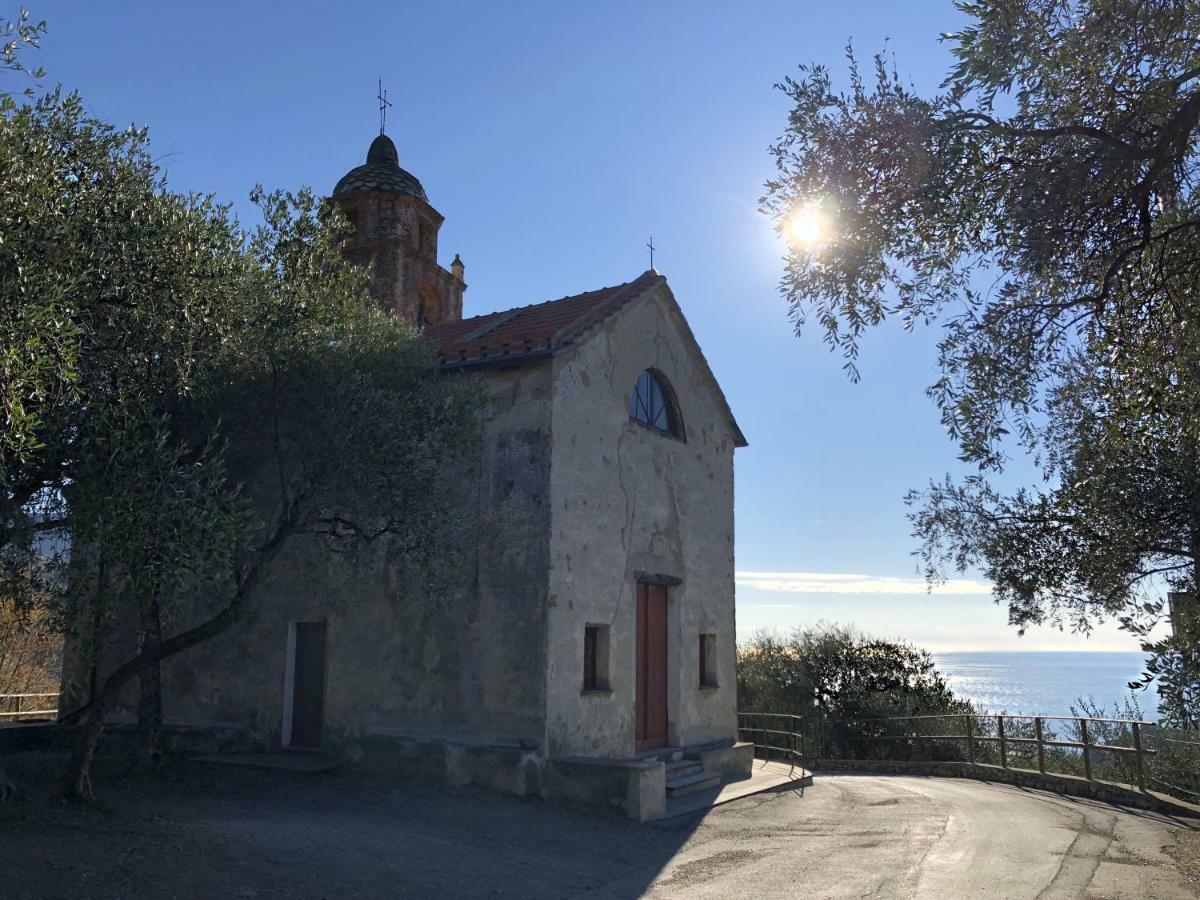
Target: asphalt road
894,836
231,832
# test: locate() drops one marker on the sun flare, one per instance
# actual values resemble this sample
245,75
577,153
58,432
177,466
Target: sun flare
808,227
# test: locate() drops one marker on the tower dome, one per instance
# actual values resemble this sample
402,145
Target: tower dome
381,173
393,230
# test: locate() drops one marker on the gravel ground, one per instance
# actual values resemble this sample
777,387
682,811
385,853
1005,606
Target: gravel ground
213,831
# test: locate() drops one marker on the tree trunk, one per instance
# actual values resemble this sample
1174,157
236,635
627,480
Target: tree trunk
150,687
8,790
79,784
91,715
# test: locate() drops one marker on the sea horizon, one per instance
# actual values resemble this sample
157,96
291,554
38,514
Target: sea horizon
1047,682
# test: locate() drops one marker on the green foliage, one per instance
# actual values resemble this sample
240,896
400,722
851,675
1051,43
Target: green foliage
181,399
15,36
337,408
1173,767
833,678
116,297
1041,210
30,654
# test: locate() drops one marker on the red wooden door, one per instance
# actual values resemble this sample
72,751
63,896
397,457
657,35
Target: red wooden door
651,708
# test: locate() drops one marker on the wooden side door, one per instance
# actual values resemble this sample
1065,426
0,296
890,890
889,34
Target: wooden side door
308,693
651,706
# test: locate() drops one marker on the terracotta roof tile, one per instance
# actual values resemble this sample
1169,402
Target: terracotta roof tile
535,330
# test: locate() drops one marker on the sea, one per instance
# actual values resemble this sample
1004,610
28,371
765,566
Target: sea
1046,683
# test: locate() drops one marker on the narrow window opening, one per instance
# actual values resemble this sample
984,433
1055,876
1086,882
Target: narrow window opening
708,660
595,658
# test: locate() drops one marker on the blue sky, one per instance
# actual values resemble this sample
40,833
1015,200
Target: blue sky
556,138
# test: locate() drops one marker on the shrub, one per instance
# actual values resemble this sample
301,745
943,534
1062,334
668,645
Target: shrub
845,686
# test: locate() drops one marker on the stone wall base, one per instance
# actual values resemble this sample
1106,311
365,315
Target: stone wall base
1108,792
635,787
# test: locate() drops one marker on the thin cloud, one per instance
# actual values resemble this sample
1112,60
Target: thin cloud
842,583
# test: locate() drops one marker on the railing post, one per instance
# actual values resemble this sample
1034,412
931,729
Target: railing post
1137,746
916,739
971,739
1087,752
1037,724
18,709
1003,745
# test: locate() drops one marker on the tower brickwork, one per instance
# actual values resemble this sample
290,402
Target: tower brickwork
394,229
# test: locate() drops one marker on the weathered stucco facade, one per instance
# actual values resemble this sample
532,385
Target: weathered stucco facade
628,501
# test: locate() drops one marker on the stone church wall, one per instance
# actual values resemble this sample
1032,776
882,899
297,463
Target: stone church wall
626,499
469,664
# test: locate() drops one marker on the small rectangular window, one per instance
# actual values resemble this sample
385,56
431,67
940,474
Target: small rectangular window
595,658
708,660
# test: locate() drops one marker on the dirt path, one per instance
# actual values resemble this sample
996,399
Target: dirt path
208,831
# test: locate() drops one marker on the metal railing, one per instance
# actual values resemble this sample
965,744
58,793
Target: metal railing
1097,749
15,706
778,733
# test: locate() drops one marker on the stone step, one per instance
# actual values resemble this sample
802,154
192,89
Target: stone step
690,783
682,767
662,754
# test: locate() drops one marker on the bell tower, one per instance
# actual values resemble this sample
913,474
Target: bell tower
394,230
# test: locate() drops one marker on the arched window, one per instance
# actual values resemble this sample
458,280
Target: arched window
653,404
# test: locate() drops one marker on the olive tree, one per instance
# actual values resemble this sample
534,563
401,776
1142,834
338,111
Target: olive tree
1040,209
182,398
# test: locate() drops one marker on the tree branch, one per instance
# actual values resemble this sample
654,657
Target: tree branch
994,126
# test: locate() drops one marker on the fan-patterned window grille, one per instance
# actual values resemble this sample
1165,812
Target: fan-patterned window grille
653,404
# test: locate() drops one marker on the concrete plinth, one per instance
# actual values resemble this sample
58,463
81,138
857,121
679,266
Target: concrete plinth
636,787
732,760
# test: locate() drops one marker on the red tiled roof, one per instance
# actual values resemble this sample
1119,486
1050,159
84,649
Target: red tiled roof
530,331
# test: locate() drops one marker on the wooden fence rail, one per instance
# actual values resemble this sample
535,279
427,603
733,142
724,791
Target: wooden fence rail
16,702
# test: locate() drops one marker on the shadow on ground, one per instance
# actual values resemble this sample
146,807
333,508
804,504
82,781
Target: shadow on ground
196,830
225,831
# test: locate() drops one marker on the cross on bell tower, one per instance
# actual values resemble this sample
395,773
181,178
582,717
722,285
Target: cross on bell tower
394,231
384,103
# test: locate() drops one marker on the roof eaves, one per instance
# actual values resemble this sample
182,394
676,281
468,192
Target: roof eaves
498,360
607,308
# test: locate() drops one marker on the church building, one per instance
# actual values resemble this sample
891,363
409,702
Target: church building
588,650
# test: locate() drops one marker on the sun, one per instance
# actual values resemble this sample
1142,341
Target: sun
808,227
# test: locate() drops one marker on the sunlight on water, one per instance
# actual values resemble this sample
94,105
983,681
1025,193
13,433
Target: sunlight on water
1045,683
